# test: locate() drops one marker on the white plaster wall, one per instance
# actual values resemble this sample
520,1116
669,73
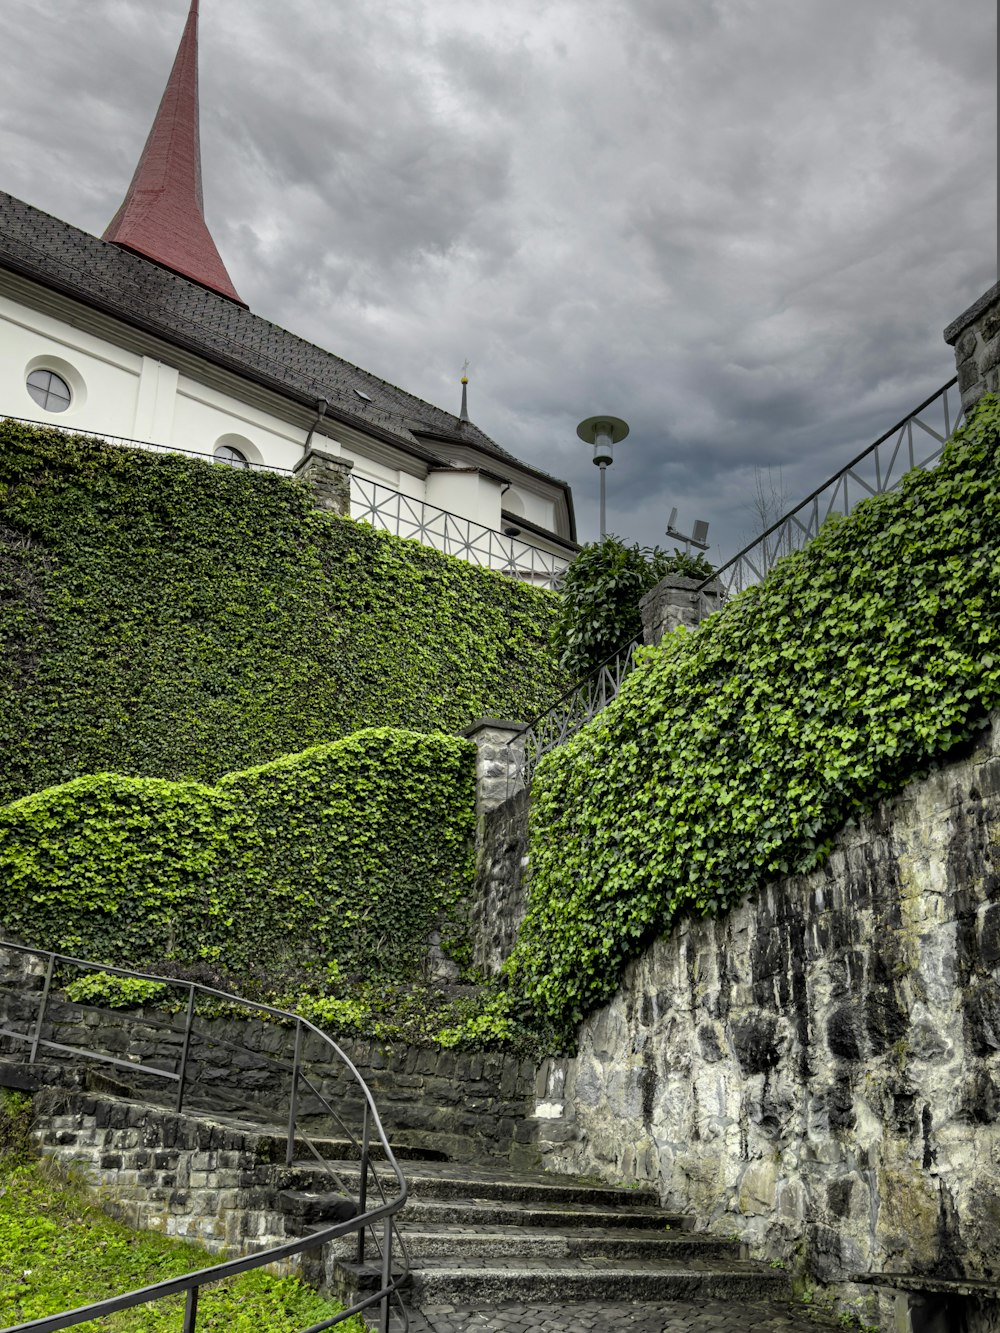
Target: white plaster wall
203,415
469,494
535,508
106,387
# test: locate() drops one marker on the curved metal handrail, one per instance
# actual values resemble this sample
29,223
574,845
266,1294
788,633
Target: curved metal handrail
191,1283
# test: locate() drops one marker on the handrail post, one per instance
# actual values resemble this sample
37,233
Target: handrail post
363,1187
182,1071
383,1322
191,1310
293,1108
42,1007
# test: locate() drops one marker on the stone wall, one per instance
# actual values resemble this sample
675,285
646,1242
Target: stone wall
183,1177
975,336
675,602
499,755
467,1107
330,477
498,898
819,1070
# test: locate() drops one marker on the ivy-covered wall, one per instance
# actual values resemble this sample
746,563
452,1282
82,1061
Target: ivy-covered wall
351,852
733,753
163,617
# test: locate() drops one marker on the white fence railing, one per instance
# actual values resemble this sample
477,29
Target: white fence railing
462,537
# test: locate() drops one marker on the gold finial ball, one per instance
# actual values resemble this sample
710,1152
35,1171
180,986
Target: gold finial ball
465,379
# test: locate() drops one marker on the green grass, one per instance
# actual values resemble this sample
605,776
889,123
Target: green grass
58,1250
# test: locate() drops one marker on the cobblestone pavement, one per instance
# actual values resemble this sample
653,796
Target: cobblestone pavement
636,1317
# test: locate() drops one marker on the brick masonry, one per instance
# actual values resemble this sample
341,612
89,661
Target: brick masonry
497,761
178,1175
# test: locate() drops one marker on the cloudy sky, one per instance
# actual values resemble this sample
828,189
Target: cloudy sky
739,224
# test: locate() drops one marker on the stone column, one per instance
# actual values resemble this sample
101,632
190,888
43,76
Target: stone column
975,336
330,478
674,602
497,764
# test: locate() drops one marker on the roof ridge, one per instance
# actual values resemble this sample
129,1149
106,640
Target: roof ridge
180,306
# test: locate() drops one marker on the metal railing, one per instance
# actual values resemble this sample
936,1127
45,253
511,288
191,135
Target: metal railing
368,1221
407,517
571,711
877,469
389,510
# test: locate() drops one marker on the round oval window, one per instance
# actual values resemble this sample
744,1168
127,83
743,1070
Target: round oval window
227,454
49,390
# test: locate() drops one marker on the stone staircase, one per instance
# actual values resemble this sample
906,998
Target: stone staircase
480,1239
489,1248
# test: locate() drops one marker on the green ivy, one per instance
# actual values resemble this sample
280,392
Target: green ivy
160,616
353,851
108,991
733,754
599,598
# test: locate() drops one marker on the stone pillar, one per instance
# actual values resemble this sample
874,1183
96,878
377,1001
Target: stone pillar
497,763
975,337
330,478
673,602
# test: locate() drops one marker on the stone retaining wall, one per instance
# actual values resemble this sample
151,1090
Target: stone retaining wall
468,1107
172,1174
819,1069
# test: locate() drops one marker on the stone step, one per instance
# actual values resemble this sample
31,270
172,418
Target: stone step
486,1213
343,1150
462,1242
466,1281
449,1180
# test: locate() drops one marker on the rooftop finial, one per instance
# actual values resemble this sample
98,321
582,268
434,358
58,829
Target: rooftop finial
464,414
162,216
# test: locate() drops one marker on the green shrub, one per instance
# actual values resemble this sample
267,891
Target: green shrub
108,991
350,852
600,594
732,754
163,617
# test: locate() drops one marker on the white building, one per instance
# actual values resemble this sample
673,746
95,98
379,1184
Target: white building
141,335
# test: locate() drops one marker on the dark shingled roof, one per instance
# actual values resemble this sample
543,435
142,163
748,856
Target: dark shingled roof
169,306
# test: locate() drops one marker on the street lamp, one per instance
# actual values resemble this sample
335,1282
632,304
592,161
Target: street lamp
602,433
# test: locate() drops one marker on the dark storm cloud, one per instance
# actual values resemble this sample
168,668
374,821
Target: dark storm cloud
740,225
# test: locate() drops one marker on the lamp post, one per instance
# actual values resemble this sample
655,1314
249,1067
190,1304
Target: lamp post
603,433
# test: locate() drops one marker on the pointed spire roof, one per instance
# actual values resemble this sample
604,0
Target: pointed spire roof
162,217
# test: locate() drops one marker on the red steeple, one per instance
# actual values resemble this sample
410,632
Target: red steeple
163,217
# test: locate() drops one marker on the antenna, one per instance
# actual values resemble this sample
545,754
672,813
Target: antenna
699,536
